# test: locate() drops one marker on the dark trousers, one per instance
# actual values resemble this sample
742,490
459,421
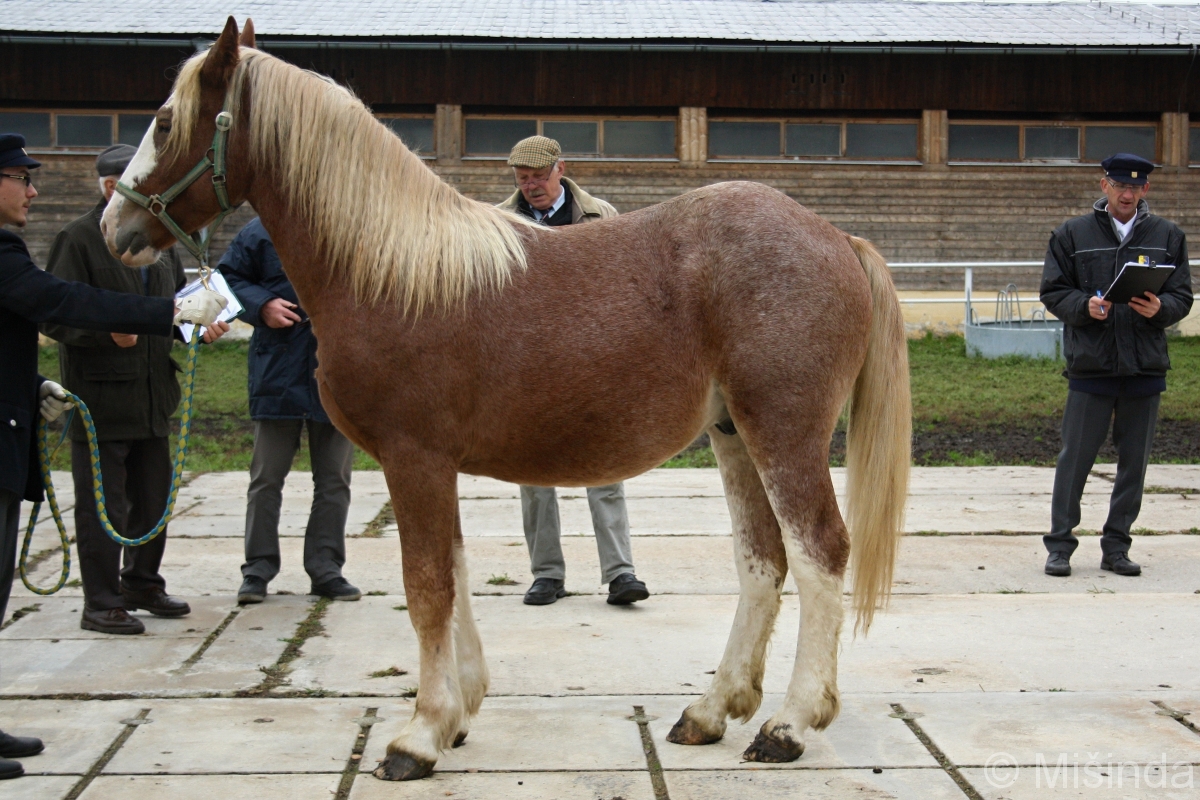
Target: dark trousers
275,444
1085,426
137,481
10,532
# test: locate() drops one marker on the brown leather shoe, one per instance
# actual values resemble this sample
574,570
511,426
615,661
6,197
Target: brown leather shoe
156,601
111,620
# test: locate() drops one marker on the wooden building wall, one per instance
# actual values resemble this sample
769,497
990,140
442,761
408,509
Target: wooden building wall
910,213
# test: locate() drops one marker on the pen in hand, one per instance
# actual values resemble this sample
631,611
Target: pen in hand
1100,294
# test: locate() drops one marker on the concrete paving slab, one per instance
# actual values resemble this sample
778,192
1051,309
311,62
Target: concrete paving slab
519,734
207,787
1035,642
863,736
254,639
55,667
1031,728
33,787
1103,783
59,618
838,784
244,735
510,786
75,733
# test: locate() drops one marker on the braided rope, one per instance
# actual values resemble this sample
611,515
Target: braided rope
46,452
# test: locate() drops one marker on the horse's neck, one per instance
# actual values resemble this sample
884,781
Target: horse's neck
294,244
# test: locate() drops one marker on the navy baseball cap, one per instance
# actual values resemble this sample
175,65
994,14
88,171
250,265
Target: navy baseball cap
12,152
1127,168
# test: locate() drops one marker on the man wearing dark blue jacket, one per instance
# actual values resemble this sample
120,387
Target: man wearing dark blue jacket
283,401
29,296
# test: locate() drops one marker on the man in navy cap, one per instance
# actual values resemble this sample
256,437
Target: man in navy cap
130,386
29,296
1116,353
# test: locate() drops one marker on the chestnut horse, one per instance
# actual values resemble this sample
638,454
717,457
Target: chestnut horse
455,337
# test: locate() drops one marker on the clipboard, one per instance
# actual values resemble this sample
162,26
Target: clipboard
217,281
1135,279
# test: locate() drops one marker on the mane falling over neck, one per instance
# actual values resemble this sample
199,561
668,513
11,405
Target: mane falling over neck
374,211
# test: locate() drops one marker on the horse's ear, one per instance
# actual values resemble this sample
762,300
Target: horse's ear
222,57
247,37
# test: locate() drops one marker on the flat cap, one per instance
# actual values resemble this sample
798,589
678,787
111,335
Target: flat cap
1127,168
114,160
536,152
12,152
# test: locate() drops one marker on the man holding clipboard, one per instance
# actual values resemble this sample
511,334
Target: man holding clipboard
1116,352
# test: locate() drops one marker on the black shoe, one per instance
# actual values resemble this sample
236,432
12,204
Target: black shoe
625,589
544,591
1120,564
336,589
254,590
1058,565
156,601
112,620
10,769
19,746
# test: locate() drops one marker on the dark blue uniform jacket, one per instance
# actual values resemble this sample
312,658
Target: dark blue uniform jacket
283,361
29,296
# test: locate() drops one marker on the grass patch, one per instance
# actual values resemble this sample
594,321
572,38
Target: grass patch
501,580
390,672
399,608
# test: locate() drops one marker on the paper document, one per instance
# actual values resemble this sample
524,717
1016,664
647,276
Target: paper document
217,282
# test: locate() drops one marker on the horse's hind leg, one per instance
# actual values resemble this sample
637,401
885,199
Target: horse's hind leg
736,690
468,650
817,544
425,500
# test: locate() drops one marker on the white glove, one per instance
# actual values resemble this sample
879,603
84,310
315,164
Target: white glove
201,307
54,400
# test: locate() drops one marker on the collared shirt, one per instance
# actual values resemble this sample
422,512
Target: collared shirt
561,213
552,210
1122,229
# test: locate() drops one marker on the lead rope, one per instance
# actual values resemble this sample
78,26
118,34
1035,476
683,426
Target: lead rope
45,452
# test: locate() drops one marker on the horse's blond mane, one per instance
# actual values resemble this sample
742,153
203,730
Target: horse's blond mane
374,211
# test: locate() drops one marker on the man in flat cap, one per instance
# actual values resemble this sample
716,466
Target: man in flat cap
1116,353
546,195
29,296
129,384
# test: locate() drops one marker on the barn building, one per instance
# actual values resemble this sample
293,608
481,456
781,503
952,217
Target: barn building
939,130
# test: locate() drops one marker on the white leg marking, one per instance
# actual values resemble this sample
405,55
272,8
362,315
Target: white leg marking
472,668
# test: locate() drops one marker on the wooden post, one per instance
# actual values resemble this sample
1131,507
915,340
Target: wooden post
1175,135
448,133
935,137
693,136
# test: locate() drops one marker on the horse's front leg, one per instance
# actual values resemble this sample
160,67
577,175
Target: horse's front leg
424,496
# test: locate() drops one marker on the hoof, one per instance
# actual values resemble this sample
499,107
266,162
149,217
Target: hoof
460,739
772,751
686,731
402,767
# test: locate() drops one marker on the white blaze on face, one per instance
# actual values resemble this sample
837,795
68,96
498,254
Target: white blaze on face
143,164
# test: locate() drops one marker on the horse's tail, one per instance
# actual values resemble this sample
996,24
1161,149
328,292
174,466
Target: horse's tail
878,443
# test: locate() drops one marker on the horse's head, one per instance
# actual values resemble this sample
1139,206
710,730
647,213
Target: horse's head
182,137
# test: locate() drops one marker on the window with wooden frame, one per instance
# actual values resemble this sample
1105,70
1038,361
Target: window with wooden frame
1194,145
415,130
75,130
1049,142
620,138
812,140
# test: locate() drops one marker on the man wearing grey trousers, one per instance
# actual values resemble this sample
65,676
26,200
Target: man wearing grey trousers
1116,353
283,402
545,195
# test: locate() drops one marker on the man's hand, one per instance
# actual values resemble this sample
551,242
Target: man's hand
124,339
201,307
278,313
214,332
1098,308
54,400
1148,307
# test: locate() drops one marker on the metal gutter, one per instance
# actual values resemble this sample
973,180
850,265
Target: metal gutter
279,43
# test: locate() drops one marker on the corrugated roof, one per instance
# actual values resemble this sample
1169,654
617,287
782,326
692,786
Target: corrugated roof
1055,24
